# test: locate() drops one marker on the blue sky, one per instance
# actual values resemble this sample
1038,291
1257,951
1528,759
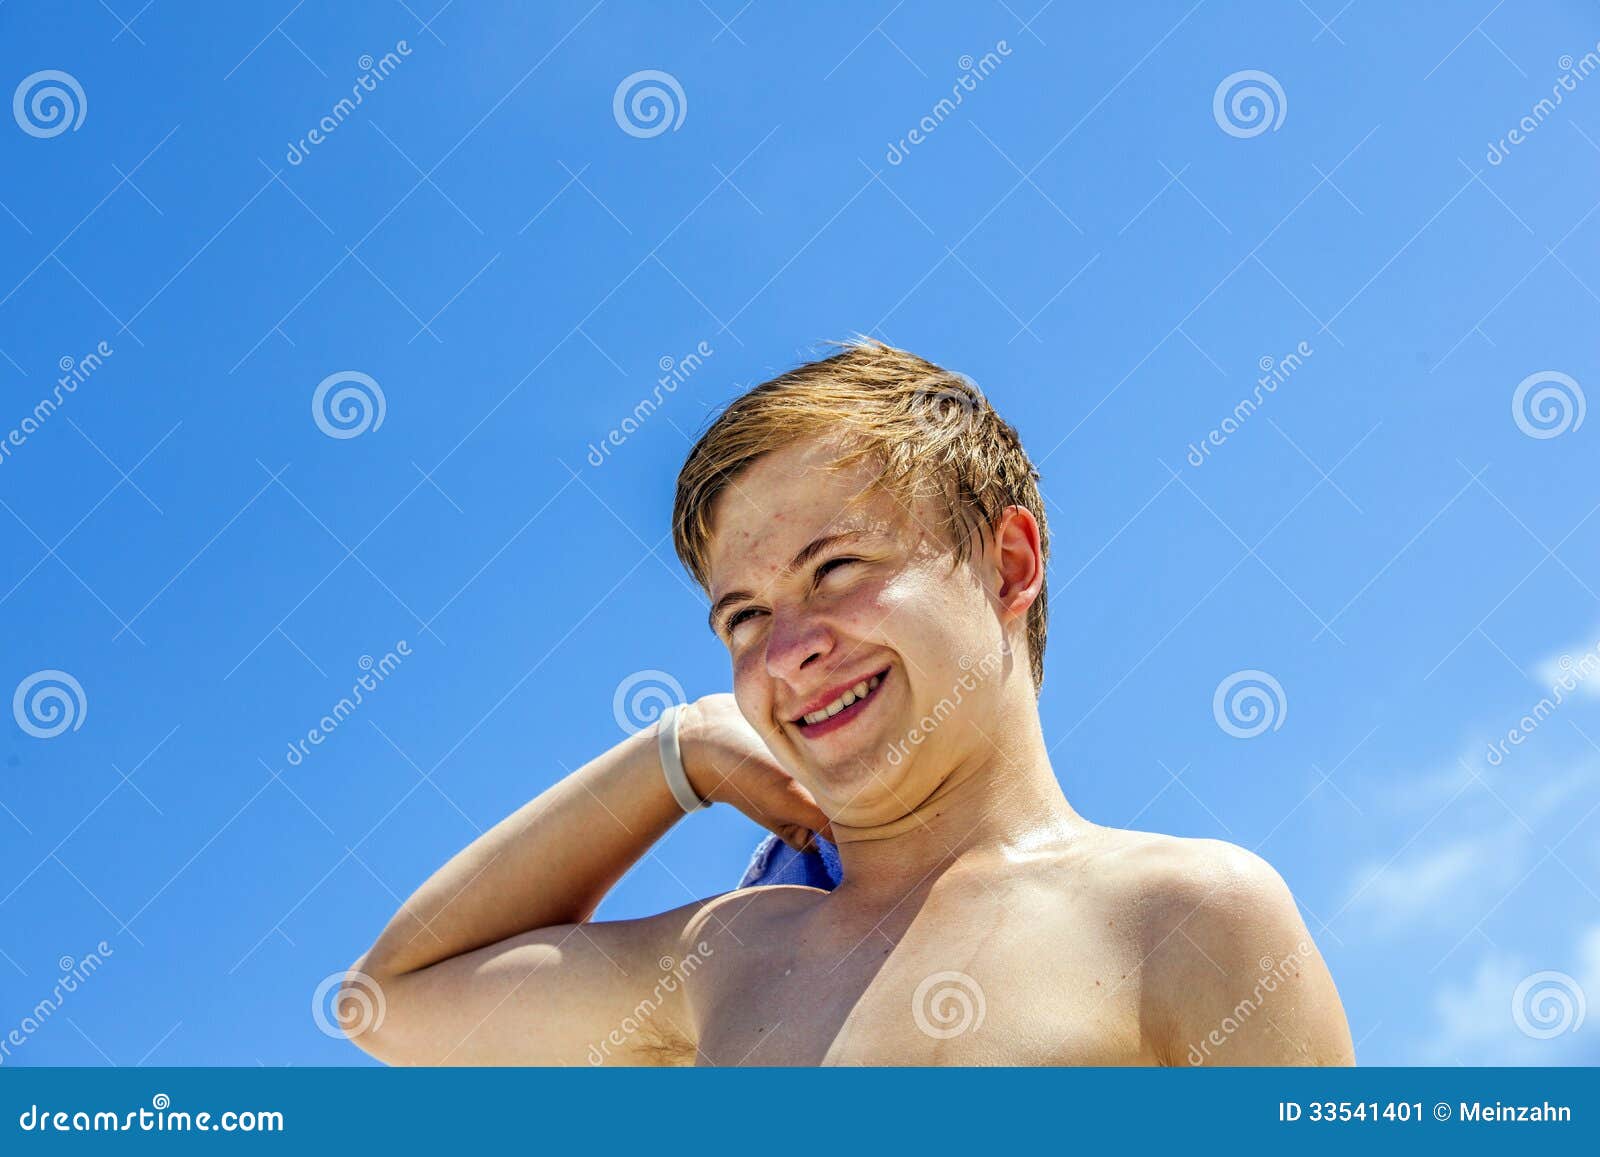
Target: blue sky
1085,235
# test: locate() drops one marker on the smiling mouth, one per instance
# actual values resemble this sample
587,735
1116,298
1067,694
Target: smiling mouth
843,709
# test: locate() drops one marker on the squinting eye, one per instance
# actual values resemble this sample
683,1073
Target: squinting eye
833,564
740,616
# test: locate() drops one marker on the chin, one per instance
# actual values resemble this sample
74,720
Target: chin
861,795
870,815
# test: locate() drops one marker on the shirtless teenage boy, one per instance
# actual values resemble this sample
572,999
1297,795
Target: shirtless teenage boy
864,519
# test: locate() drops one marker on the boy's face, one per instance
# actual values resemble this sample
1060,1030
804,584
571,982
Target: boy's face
882,602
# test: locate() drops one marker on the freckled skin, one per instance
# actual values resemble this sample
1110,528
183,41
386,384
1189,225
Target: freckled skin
902,606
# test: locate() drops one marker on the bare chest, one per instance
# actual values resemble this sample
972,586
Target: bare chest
1012,986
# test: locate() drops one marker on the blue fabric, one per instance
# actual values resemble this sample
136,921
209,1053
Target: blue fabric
775,862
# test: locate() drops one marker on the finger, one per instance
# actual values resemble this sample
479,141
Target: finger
794,836
802,806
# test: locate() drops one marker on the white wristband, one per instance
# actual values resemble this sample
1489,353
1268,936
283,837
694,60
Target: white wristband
672,761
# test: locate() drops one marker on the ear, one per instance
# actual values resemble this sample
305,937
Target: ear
1018,561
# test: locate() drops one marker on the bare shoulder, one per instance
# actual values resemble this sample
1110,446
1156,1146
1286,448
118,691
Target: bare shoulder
1169,874
1230,973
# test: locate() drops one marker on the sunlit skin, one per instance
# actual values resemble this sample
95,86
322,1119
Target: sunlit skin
883,596
890,597
966,871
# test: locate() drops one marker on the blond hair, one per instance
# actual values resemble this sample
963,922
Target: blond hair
926,430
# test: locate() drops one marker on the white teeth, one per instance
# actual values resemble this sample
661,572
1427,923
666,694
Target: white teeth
859,691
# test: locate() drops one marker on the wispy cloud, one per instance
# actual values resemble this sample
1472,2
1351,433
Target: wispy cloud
1479,831
1579,663
1475,1023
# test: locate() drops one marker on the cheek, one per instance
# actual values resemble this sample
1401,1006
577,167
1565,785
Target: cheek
937,620
749,678
912,608
866,611
752,689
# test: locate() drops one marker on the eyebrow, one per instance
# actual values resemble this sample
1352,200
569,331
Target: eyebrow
808,552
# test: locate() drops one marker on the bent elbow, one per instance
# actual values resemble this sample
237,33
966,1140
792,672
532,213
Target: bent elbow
359,1008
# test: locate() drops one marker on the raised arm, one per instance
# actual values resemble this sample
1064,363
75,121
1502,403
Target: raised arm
494,960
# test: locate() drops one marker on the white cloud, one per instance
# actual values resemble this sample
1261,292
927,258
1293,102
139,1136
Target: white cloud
1579,663
1435,885
1475,1022
1470,851
1453,872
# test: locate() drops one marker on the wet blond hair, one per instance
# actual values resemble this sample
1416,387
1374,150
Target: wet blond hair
928,431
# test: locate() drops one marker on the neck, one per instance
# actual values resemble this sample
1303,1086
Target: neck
1000,803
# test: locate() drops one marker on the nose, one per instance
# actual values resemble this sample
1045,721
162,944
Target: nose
794,642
